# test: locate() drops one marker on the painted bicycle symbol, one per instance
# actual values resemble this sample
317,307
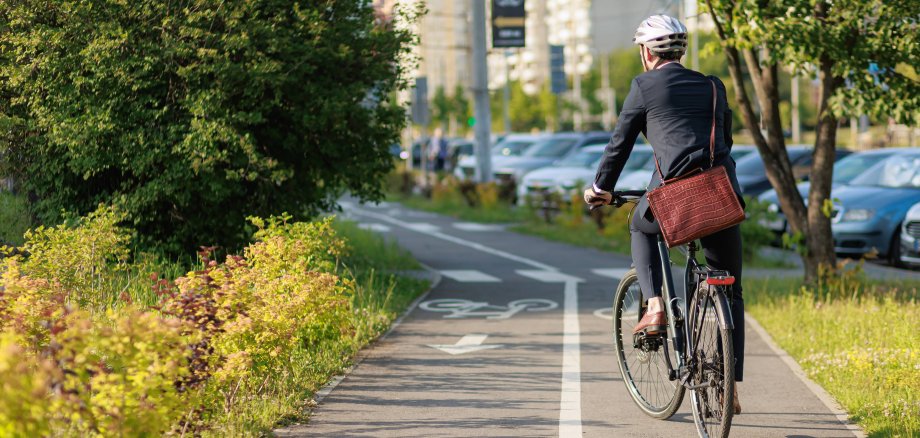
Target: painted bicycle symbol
459,308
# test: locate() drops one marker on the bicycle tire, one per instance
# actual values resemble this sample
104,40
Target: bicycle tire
712,361
651,389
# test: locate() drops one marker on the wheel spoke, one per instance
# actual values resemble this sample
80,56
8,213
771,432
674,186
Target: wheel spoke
711,364
642,367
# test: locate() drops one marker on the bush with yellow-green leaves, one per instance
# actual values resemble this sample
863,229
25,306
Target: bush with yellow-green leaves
80,357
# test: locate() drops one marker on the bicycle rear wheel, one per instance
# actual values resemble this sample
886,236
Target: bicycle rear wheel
712,369
643,367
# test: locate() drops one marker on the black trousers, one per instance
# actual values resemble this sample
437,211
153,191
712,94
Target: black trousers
722,251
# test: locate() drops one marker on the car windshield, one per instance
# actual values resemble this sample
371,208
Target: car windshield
899,171
511,147
854,165
581,158
550,148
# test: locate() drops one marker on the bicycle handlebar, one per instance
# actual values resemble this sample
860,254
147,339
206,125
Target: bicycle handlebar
620,198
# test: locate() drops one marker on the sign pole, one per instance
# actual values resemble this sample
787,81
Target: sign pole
481,94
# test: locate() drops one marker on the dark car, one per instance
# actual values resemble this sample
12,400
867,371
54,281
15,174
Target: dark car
752,176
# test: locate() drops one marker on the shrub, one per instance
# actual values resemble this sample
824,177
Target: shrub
258,312
754,234
80,254
121,373
179,112
487,194
30,309
25,399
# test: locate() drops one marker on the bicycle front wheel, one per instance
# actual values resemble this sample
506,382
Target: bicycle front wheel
712,367
643,365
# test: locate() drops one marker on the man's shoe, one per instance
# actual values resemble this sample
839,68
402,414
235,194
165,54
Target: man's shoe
652,323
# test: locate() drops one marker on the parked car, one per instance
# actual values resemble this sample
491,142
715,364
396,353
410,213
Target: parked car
512,145
910,236
752,176
458,149
544,153
568,175
639,178
845,170
869,211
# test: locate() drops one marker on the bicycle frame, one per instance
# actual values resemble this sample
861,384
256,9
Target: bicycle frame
676,307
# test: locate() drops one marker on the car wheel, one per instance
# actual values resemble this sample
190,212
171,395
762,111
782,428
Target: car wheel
894,249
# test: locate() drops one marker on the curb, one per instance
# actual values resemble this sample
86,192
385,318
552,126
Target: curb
365,352
816,389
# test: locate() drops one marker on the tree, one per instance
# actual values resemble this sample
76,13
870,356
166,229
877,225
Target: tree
460,106
192,115
836,41
441,108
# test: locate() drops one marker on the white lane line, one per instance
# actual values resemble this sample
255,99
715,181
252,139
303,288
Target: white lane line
570,402
380,228
470,276
549,276
422,227
616,273
456,240
472,226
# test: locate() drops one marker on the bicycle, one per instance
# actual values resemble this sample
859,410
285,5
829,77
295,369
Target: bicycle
659,368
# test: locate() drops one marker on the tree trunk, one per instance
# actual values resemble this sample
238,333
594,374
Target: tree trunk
805,221
820,237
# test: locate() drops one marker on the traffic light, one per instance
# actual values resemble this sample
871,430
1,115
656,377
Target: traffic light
471,121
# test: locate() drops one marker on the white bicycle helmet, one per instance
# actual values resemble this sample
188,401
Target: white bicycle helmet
662,34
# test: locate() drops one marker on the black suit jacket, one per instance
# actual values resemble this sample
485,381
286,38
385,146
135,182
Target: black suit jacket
672,107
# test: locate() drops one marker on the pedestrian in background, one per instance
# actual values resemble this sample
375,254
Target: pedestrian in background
437,150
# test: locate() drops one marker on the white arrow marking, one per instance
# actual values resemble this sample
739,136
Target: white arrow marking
466,344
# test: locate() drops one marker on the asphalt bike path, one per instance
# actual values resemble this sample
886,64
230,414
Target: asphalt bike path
516,341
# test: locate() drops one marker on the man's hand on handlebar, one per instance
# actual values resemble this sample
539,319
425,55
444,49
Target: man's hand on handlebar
597,199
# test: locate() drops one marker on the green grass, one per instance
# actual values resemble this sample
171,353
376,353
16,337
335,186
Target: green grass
15,218
859,340
500,213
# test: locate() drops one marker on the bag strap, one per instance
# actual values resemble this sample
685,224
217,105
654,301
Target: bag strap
712,137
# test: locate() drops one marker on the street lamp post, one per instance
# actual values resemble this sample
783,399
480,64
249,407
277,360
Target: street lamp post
481,93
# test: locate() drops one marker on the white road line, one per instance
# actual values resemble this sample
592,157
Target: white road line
422,227
380,228
457,240
570,402
549,276
616,273
470,276
472,226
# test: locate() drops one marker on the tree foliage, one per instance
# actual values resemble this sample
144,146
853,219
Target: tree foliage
858,51
192,114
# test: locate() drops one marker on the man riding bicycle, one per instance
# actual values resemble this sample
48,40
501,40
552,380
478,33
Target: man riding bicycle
672,106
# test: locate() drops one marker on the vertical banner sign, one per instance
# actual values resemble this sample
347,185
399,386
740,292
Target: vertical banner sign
420,101
558,84
508,23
